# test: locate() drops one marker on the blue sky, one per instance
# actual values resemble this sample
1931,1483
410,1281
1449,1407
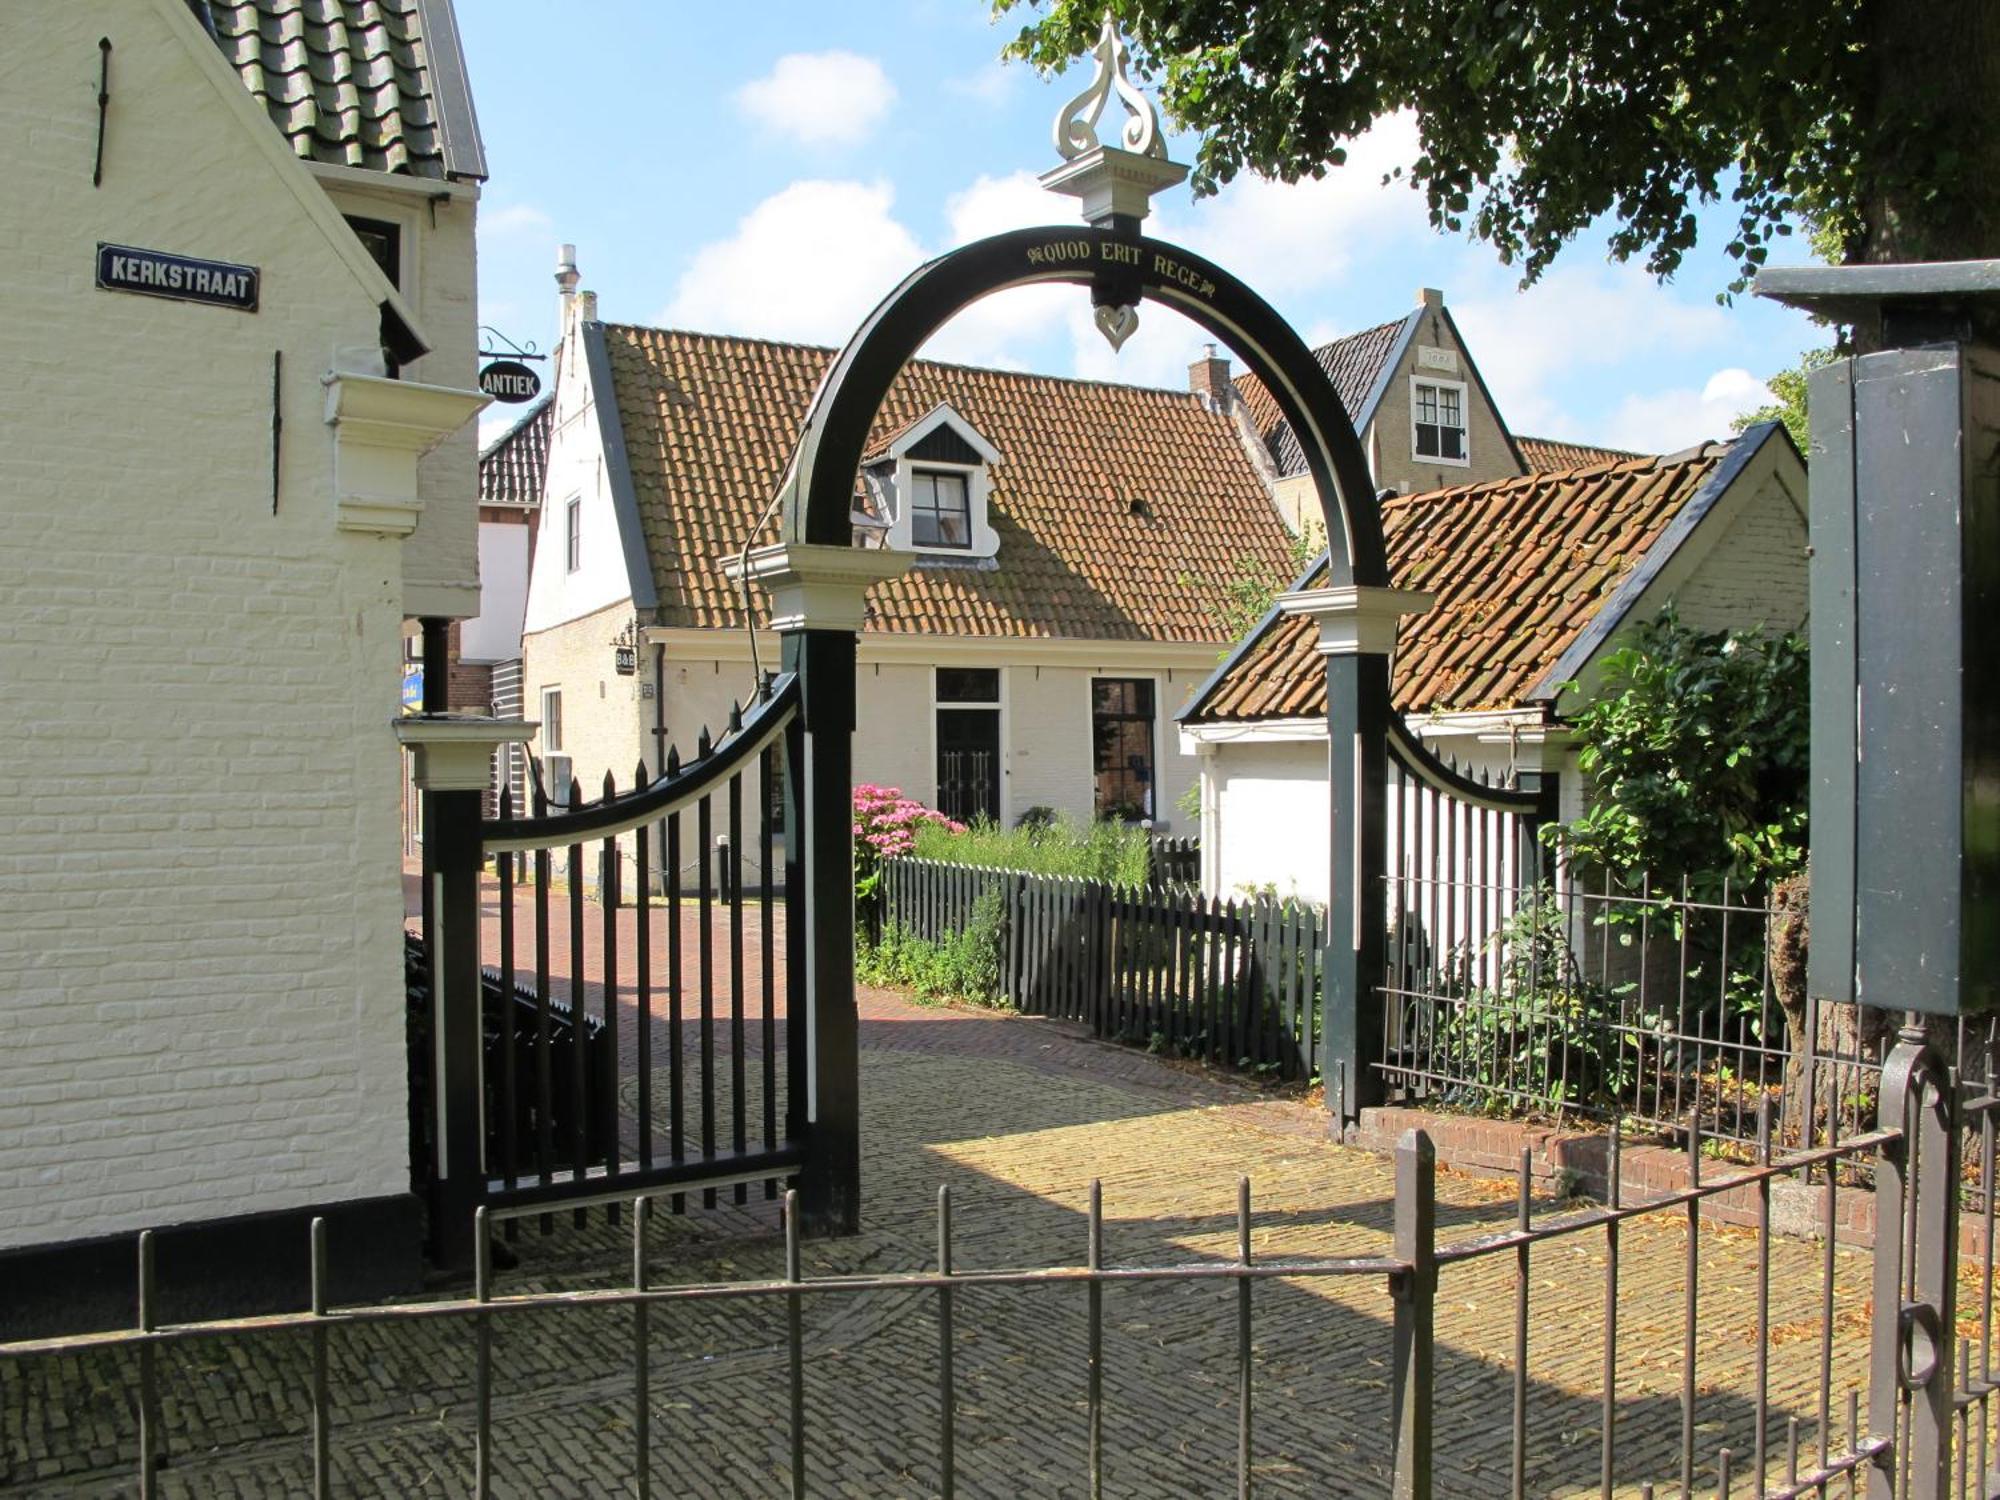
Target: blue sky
773,168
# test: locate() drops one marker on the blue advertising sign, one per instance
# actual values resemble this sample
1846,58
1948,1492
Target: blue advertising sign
413,687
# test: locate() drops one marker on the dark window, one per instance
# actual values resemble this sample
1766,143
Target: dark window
574,520
940,510
1121,735
384,243
968,684
1439,415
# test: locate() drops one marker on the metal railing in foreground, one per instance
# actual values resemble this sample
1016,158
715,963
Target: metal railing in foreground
1817,1449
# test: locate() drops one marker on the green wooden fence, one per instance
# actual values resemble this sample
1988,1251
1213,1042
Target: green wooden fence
1236,982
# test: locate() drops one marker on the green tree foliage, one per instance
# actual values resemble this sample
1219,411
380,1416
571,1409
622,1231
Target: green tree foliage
1789,386
1877,121
1695,750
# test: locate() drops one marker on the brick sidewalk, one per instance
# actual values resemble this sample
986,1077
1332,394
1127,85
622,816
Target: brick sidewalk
1017,1116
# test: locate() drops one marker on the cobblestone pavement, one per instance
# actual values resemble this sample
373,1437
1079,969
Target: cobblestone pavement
1017,1116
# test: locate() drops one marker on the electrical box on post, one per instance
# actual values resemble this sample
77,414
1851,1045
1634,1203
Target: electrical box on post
1905,575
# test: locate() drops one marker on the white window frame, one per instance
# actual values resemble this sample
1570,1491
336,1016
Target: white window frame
1464,460
559,771
934,472
978,485
573,535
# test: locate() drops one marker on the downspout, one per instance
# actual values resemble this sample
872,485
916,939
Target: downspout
660,756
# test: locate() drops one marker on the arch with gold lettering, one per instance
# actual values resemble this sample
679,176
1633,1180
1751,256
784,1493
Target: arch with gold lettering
1120,268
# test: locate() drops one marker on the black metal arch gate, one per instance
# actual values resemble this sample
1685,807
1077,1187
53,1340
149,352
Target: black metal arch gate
561,1144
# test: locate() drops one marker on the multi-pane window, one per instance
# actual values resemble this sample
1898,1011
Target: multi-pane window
561,782
1121,736
574,551
940,510
1438,415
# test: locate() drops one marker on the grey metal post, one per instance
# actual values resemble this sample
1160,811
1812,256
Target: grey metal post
818,594
1916,1282
1416,1296
820,975
453,771
1357,631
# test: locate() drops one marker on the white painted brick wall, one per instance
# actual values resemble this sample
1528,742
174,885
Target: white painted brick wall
1756,573
200,904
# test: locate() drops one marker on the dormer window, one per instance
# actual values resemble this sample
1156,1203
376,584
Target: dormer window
932,481
940,510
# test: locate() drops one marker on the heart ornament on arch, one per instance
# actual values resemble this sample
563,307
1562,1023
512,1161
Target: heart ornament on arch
1117,324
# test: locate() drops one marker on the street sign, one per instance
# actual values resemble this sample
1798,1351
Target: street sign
511,381
158,273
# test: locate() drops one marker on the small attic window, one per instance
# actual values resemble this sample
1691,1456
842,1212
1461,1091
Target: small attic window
934,480
940,509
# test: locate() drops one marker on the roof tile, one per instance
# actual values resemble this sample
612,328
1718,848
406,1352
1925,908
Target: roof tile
1519,568
347,82
709,423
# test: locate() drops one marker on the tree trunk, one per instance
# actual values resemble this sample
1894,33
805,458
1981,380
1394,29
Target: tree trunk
1840,1035
1930,158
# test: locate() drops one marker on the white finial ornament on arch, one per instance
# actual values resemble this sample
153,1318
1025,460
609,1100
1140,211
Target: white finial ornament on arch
1115,183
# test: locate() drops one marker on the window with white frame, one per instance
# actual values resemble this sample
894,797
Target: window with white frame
940,509
1437,421
573,518
560,781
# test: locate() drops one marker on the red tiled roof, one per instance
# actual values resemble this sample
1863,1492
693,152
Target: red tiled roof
511,468
1123,513
1554,456
1353,363
1519,567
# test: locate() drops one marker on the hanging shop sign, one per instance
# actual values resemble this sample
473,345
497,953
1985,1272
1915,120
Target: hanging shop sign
626,658
511,381
156,273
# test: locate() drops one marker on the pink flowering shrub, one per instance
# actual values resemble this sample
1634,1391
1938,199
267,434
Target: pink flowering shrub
885,825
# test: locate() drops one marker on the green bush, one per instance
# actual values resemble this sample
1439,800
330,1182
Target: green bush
1545,1032
1108,850
965,966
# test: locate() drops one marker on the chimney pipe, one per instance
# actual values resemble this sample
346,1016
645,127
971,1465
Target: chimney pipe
566,280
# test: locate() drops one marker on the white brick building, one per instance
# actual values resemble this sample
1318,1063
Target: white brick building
1075,543
219,521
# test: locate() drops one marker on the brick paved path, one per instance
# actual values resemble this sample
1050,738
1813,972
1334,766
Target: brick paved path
1017,1116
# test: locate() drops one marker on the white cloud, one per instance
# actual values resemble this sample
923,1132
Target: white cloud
1576,319
991,86
1667,421
1291,237
808,264
820,98
522,219
995,204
